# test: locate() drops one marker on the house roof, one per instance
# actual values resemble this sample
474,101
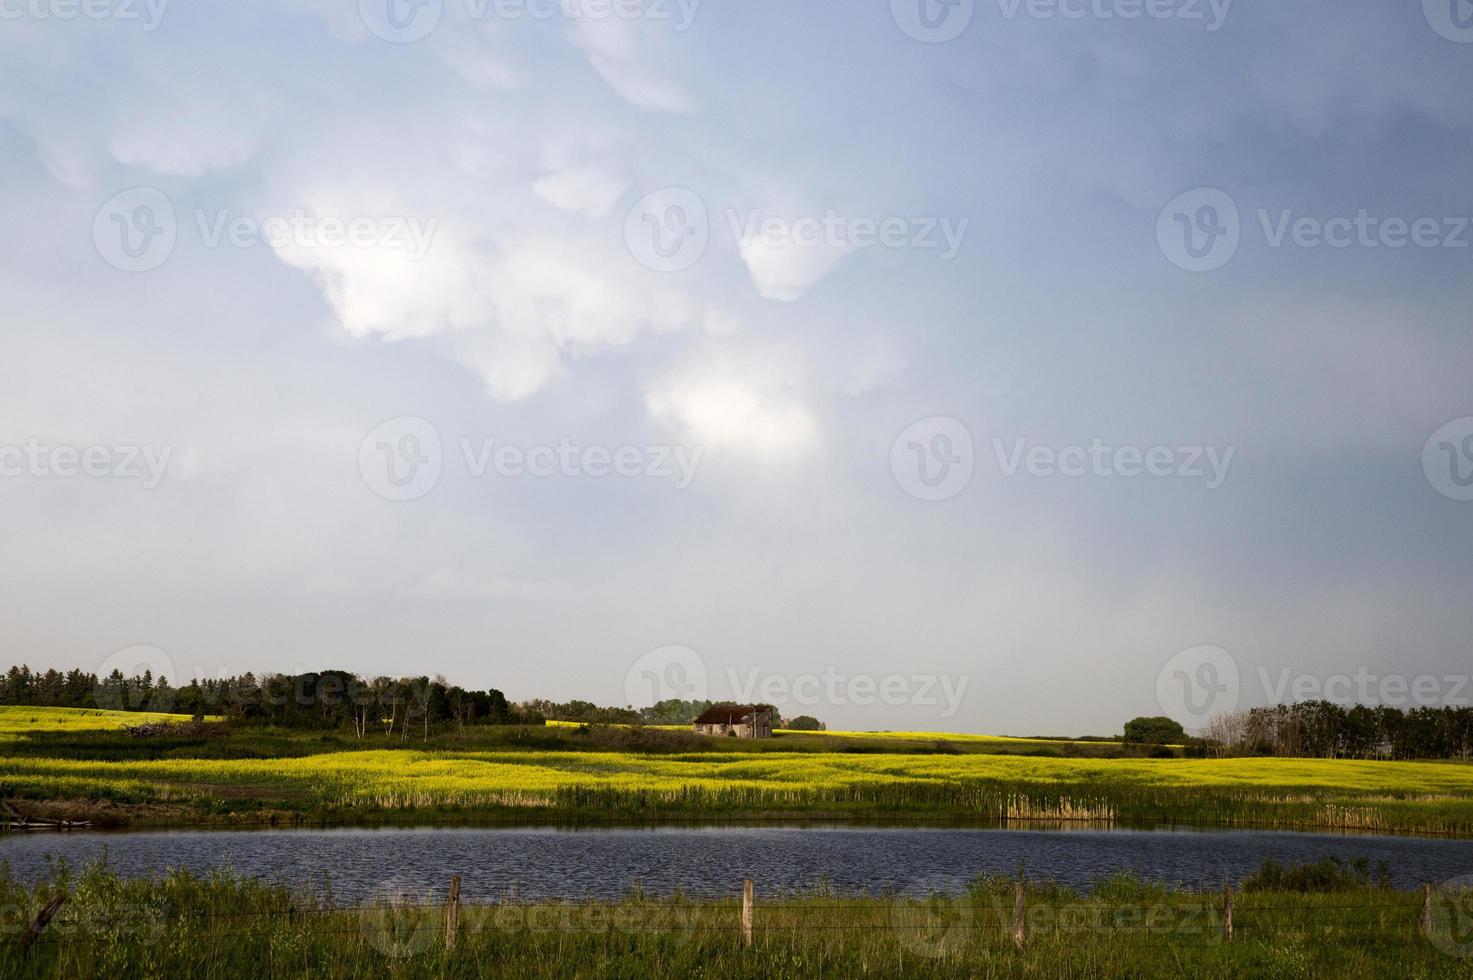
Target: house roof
730,714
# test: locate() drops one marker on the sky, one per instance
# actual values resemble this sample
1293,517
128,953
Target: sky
1006,366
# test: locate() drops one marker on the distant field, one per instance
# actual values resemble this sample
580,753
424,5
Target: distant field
22,720
249,773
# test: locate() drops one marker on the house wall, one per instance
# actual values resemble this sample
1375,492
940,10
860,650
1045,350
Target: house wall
763,729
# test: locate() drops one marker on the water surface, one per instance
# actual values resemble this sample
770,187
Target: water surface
547,863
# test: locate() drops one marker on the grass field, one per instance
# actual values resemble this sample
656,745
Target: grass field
251,774
181,925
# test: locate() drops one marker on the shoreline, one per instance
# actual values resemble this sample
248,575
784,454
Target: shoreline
124,819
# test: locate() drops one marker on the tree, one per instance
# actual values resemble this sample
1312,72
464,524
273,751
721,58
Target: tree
805,723
1154,731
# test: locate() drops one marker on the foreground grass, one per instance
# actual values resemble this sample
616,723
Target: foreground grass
182,925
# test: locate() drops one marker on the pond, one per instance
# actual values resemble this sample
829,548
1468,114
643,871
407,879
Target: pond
712,861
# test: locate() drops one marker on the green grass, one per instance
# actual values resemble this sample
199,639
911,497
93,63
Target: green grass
250,774
225,925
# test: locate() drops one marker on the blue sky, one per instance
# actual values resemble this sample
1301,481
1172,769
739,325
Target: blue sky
508,175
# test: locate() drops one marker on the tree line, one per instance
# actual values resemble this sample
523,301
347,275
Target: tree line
1326,730
327,699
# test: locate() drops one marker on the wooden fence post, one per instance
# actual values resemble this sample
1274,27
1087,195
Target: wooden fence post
747,912
452,913
1227,913
1426,923
39,923
1019,927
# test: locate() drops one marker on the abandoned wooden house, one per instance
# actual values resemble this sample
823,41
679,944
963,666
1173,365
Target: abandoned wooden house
740,720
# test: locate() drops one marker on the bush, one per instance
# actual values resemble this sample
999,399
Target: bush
1155,731
1329,875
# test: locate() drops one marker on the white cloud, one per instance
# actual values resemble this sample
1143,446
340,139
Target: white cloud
750,416
633,61
587,190
786,270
